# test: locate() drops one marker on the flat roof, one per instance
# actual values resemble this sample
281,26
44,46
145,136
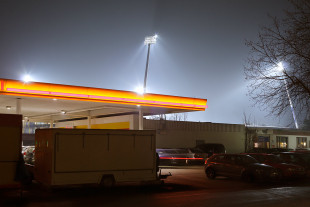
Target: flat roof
45,101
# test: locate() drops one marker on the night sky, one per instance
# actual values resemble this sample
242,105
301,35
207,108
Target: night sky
200,50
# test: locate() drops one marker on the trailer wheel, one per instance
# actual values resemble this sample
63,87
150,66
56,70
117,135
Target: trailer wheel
107,181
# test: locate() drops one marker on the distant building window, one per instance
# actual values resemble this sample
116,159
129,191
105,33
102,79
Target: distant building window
301,142
282,142
262,142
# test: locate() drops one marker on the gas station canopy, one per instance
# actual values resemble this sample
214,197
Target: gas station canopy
41,101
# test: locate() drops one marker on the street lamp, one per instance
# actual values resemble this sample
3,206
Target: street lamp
280,65
148,41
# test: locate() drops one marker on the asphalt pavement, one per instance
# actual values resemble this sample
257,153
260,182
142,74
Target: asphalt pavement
188,186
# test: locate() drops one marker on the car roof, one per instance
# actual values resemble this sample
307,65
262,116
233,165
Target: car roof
258,154
229,154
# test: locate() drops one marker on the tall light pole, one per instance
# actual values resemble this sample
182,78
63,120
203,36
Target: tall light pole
148,41
288,94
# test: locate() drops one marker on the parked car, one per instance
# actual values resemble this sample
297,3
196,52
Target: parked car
212,148
287,170
24,148
241,166
297,158
268,150
178,156
29,155
198,156
172,156
305,150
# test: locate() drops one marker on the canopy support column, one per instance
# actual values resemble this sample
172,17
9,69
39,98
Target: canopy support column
18,106
140,118
89,120
52,123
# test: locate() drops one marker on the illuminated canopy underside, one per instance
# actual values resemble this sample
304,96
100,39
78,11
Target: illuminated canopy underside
107,97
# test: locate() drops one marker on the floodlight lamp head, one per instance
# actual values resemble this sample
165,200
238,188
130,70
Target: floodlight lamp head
150,40
27,78
140,90
280,66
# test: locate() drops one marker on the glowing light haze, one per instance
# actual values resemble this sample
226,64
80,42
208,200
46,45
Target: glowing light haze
27,78
200,51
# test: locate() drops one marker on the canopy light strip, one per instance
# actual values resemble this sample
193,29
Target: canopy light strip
13,87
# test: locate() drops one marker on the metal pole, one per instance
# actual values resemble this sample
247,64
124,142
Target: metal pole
140,118
147,65
18,106
51,123
89,120
291,104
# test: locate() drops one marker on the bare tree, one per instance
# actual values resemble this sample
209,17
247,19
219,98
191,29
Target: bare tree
163,119
306,124
249,134
286,41
248,120
158,117
178,117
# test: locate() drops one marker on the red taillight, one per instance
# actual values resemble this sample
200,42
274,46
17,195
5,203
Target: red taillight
24,153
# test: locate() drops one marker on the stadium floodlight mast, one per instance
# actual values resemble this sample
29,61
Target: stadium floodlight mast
148,41
281,68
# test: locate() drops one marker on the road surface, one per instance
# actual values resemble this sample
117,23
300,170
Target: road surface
187,187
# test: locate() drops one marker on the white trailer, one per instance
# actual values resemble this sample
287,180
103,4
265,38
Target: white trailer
94,156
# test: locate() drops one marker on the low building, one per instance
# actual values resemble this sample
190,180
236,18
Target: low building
184,134
272,137
235,137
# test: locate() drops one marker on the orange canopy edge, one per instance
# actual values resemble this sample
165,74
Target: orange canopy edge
49,90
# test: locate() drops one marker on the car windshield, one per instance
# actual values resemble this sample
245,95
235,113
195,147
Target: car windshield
248,159
181,151
259,158
295,158
171,151
196,150
272,159
219,149
306,156
300,157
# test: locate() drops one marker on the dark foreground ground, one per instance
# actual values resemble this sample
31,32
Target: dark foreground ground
187,187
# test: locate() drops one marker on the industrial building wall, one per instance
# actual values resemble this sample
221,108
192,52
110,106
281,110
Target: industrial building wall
176,134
